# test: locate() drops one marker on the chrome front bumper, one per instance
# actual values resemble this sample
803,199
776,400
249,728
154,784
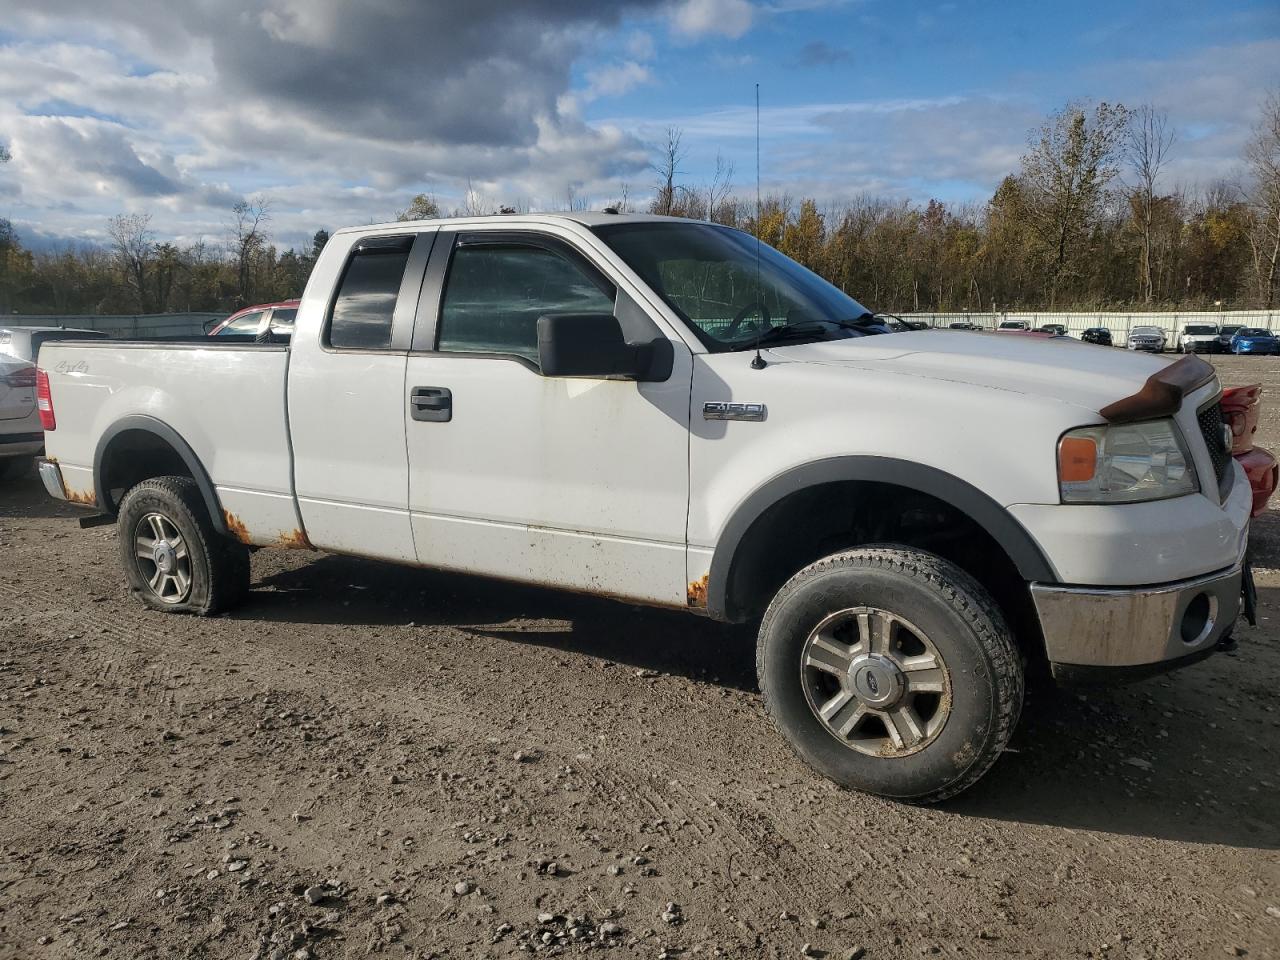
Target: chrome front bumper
1139,626
51,477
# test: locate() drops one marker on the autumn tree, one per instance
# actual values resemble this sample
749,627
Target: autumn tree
421,207
1066,172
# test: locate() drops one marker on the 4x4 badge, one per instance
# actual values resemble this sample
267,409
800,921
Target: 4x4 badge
717,410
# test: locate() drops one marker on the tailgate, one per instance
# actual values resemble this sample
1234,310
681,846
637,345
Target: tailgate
17,389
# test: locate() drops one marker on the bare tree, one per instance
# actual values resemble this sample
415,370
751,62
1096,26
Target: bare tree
1262,154
574,200
133,244
721,188
668,168
248,238
1147,141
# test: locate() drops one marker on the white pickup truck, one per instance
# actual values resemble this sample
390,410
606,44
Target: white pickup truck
666,412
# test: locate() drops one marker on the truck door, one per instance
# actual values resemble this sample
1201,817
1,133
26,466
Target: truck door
580,483
346,417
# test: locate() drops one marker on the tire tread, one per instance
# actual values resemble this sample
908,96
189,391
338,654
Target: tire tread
975,606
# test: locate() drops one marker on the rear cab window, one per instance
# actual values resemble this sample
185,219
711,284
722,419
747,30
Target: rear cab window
364,308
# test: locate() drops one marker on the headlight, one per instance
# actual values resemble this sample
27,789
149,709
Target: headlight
1125,463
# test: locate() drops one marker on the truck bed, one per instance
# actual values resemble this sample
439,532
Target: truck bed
224,397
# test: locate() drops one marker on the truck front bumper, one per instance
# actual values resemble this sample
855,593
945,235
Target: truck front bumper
1110,633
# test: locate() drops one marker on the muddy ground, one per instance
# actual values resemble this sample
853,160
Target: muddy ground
368,760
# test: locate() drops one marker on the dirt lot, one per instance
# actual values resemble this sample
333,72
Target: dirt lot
453,768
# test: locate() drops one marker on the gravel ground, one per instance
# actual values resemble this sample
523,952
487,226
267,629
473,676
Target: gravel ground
370,760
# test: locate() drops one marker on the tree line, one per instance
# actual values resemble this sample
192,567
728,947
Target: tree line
1088,221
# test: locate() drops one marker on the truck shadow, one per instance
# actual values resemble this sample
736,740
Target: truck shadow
336,589
1188,756
26,498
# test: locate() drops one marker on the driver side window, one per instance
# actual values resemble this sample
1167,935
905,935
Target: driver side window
495,293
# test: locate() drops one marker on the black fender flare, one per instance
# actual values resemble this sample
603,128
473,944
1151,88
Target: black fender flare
170,436
1012,537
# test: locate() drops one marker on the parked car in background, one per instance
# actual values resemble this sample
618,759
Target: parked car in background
1255,340
1240,409
1098,335
964,325
259,321
24,343
1198,338
1147,338
1013,326
1055,329
21,436
566,400
1225,333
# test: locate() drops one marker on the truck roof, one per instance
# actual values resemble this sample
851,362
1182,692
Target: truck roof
586,218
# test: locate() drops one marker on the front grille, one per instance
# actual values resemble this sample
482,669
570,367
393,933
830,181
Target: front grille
1210,419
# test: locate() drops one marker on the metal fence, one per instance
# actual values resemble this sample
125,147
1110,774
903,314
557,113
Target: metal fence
1118,323
128,326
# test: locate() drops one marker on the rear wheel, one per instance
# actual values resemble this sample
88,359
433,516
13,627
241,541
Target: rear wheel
891,671
173,558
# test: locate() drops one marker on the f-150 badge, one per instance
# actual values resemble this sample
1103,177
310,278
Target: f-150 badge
717,410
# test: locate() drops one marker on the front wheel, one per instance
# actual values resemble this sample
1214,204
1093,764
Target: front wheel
891,671
173,558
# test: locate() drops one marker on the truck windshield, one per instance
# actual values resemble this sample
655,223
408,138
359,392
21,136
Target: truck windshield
1202,331
708,276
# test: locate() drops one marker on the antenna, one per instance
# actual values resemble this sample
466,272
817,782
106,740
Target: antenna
757,362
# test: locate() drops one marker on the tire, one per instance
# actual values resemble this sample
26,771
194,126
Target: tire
198,570
981,685
16,468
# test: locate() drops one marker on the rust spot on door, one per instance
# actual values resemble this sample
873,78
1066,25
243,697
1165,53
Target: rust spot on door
294,540
236,527
697,592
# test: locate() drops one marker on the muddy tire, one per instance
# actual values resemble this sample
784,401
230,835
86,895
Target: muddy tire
890,671
173,559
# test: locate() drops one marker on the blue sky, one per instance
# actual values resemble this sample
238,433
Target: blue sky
340,114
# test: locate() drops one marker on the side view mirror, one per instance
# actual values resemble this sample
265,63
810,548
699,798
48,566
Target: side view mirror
587,345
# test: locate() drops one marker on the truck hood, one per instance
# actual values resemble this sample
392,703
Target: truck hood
1060,369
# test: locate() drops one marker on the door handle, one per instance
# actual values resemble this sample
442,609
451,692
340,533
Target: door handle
431,404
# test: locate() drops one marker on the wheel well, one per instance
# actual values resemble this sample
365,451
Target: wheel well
826,518
132,456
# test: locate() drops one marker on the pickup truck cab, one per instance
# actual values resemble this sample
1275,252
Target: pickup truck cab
672,413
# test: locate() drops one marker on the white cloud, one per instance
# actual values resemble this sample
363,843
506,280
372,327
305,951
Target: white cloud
699,18
616,79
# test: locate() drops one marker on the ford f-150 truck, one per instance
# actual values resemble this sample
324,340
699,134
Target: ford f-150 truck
671,413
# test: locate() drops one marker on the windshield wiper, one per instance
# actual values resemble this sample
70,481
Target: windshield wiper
865,324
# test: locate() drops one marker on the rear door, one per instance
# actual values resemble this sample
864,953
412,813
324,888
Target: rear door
346,409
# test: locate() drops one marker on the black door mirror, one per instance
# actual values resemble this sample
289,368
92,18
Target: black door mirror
586,345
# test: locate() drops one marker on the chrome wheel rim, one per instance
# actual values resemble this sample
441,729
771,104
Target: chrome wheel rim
875,682
161,555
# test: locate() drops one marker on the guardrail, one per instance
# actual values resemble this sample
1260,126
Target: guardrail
1118,323
128,326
